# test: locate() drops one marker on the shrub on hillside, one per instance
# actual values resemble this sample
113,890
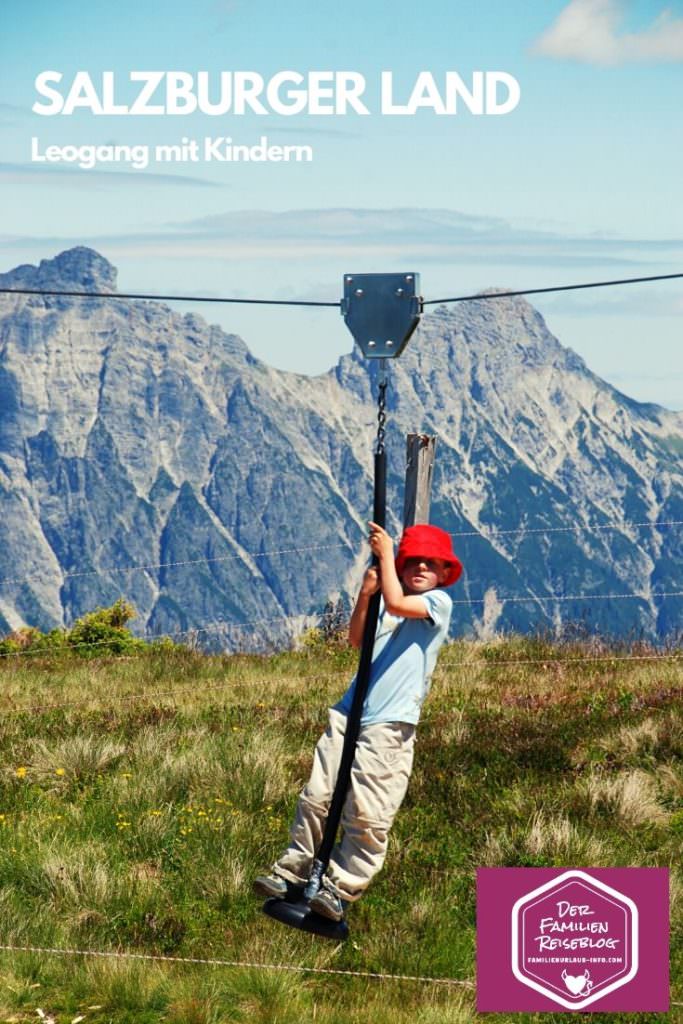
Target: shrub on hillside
100,632
30,639
104,631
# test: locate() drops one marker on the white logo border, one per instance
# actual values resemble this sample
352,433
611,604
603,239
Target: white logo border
572,874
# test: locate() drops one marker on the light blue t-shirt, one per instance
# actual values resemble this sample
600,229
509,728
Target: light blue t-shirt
403,659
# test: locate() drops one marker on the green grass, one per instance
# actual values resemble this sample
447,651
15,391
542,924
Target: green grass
137,824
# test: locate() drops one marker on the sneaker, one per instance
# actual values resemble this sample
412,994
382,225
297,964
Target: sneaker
270,885
326,903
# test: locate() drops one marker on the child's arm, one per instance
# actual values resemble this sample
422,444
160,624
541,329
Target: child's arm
407,606
369,586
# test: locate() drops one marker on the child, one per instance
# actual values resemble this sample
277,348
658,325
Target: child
413,624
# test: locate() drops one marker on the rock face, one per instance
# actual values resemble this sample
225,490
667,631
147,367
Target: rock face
132,435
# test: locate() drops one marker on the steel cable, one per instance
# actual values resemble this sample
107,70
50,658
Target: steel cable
302,302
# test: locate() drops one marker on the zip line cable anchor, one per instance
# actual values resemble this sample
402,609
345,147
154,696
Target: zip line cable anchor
382,311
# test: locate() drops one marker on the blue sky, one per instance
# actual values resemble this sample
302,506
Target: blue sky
580,182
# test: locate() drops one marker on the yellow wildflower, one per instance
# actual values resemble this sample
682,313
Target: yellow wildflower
60,771
20,772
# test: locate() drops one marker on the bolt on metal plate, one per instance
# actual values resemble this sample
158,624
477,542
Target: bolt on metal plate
381,311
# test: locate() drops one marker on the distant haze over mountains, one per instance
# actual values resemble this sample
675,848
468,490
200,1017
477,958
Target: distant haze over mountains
133,435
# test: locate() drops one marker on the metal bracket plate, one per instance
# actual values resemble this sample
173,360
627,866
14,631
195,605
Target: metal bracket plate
381,311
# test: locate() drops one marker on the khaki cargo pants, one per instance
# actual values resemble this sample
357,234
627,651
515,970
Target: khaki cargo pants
379,779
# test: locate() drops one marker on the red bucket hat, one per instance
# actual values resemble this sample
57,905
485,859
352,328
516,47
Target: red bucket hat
424,541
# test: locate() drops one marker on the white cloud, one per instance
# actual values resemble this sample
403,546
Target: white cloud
73,177
433,236
589,31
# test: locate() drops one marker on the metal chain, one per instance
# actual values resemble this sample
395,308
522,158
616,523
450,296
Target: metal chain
381,407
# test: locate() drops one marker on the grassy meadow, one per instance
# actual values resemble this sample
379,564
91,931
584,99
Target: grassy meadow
135,823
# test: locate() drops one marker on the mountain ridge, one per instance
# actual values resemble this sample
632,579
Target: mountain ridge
138,435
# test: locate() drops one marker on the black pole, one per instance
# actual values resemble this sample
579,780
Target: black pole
324,852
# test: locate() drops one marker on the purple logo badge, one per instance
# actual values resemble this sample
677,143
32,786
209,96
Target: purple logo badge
573,938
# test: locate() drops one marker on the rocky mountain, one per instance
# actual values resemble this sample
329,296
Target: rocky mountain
133,435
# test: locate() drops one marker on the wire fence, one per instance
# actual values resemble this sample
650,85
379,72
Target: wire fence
252,965
522,531
216,962
483,534
532,598
154,566
314,616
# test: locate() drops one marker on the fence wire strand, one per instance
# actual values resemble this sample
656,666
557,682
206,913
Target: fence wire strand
216,962
154,566
523,530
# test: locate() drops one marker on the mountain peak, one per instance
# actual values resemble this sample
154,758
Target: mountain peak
82,267
73,270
